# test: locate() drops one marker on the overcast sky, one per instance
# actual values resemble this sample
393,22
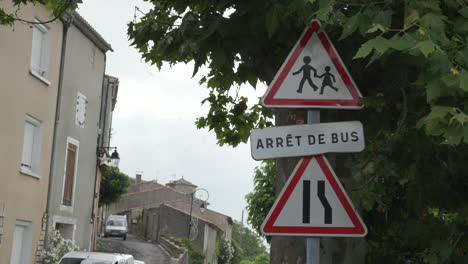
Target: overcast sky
153,123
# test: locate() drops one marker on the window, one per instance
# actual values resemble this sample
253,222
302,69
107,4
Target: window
71,159
67,231
22,237
31,146
40,51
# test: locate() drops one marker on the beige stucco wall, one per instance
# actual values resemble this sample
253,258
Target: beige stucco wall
23,196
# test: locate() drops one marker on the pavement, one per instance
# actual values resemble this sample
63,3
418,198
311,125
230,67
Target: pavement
150,253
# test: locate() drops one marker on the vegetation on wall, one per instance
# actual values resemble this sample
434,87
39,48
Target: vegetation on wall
195,253
56,248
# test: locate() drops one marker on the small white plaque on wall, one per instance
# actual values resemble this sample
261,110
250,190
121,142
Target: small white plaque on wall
81,105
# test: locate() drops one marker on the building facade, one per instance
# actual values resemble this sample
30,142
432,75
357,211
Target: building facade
29,75
109,93
74,171
156,211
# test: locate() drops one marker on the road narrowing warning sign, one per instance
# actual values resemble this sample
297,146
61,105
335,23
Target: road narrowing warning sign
313,76
313,203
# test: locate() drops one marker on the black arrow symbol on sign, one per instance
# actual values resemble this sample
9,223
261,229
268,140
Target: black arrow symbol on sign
322,198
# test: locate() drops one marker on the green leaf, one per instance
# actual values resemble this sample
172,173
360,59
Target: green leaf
450,79
350,26
464,12
460,118
381,44
365,49
454,135
412,17
384,19
376,27
426,47
438,112
402,42
464,80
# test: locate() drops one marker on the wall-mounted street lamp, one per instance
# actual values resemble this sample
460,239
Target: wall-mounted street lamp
202,208
102,153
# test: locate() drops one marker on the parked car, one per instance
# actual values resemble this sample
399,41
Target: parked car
80,257
116,226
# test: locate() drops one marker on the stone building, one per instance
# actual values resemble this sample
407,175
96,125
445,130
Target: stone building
155,211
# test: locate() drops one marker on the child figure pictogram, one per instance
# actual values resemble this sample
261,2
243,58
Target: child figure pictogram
306,70
328,80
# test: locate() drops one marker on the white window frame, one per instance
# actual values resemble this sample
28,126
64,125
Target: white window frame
33,169
64,220
27,240
41,71
77,144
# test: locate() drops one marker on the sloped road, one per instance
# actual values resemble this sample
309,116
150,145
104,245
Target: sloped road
150,253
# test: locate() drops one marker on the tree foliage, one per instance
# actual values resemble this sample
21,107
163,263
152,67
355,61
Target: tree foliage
113,185
262,198
249,244
56,7
410,60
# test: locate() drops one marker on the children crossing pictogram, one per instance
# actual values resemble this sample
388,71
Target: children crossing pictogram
306,71
313,76
328,80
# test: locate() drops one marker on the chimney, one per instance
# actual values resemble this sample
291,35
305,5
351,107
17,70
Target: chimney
138,178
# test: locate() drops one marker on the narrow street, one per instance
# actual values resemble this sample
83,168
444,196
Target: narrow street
150,253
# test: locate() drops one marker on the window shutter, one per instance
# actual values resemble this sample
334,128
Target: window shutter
28,145
37,40
69,175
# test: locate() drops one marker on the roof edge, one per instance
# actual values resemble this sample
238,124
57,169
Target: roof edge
89,31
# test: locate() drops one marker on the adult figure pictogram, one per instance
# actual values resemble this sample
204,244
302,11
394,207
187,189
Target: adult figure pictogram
328,80
306,69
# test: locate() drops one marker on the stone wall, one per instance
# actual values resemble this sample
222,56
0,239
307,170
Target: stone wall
150,198
40,244
223,222
176,224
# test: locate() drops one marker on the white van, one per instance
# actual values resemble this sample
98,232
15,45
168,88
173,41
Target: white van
78,257
116,226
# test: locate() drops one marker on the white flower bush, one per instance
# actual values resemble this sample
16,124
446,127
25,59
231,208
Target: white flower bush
57,246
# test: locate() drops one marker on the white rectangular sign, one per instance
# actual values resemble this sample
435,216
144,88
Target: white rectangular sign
306,140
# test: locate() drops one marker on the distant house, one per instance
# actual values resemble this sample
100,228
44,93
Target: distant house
79,130
156,210
30,57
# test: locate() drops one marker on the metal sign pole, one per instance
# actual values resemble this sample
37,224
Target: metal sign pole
313,243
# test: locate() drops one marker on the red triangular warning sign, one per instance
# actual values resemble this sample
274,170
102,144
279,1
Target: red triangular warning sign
313,203
313,76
